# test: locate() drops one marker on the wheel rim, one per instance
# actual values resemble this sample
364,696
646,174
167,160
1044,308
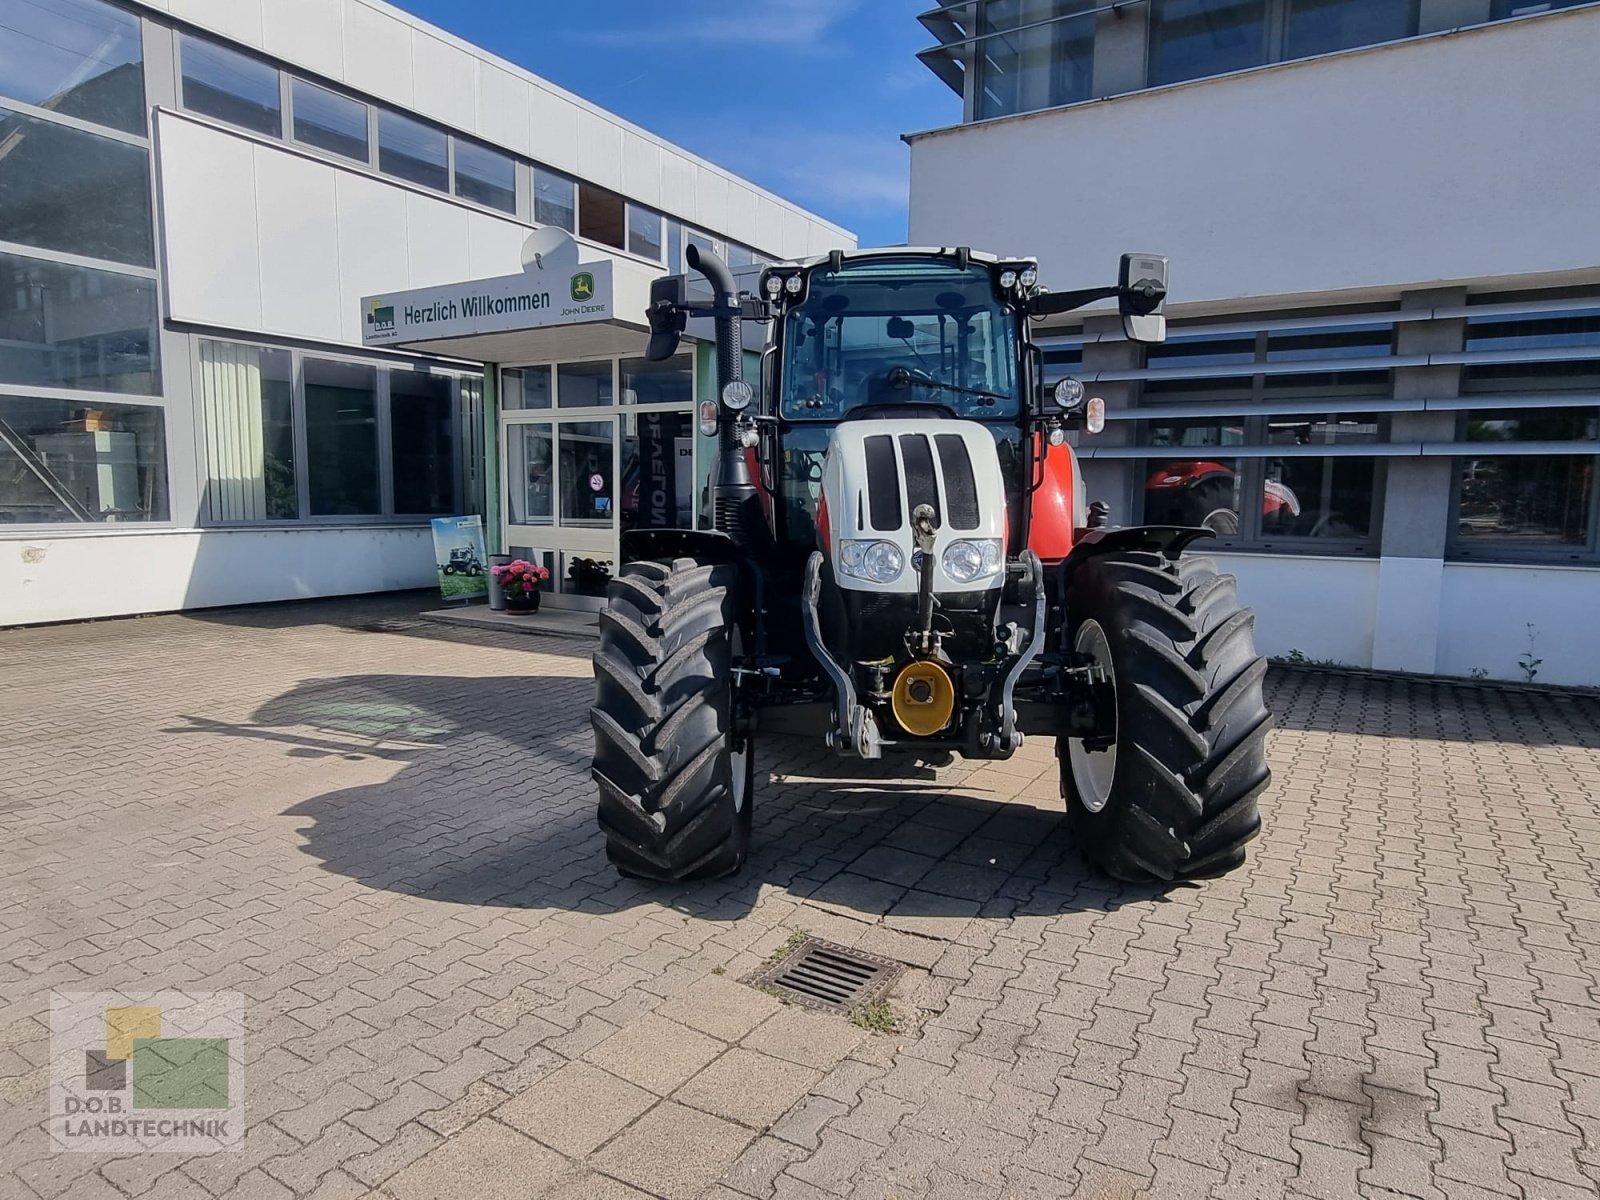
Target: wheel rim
1094,772
1221,521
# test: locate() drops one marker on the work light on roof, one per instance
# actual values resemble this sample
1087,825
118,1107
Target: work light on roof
792,285
1030,277
1008,279
773,285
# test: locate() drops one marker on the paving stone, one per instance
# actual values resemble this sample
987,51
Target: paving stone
720,1007
655,1053
811,1039
576,1109
673,1151
486,1161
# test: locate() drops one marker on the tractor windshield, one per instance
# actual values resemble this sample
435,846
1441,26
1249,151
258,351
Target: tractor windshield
900,331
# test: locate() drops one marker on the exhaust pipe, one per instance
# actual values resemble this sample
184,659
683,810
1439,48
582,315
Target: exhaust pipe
735,506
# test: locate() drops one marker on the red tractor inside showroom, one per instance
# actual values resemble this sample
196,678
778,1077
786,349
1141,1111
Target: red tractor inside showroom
898,558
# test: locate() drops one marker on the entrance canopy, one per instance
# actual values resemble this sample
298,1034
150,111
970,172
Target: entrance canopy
555,307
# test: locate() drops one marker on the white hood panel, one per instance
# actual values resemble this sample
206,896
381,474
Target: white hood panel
878,471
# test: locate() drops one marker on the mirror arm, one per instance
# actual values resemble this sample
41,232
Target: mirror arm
1049,303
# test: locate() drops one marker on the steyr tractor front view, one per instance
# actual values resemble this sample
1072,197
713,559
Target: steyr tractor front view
901,561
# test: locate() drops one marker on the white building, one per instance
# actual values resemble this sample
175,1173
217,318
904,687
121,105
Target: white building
1383,380
194,197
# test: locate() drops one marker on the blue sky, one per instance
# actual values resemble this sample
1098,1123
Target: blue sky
806,97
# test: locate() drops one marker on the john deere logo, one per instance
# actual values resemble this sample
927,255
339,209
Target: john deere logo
583,286
381,318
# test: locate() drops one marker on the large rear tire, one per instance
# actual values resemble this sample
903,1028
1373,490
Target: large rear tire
1173,794
675,779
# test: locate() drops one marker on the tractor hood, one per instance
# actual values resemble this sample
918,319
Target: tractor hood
877,474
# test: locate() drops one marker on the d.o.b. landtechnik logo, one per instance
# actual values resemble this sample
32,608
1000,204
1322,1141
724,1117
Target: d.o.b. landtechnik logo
146,1071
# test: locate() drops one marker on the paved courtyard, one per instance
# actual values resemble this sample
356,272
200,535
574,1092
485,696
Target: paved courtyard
380,833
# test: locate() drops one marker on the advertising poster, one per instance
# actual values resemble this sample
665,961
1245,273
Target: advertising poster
458,551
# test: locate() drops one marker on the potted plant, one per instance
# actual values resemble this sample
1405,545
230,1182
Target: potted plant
519,582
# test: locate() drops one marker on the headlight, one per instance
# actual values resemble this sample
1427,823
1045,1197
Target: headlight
773,286
1068,394
792,285
877,562
1008,279
970,559
1030,276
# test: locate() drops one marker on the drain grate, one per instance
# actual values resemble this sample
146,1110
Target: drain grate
832,978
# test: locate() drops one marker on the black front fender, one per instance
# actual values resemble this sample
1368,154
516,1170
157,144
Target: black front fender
1168,540
664,545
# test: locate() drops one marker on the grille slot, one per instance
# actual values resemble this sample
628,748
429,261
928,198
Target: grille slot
960,488
922,486
883,482
832,978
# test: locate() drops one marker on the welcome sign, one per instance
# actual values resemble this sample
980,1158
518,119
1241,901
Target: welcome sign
536,298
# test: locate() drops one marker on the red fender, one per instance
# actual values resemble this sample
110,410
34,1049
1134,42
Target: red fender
1054,520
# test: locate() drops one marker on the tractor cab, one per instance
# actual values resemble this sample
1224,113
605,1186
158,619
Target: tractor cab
901,561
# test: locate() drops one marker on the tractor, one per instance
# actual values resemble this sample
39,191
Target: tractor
900,560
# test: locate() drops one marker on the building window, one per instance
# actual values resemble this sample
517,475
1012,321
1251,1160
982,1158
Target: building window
740,256
644,232
1501,9
74,327
583,385
1526,501
525,388
413,151
248,394
66,190
668,382
555,200
1326,26
341,438
486,176
232,87
602,216
80,461
329,121
374,440
1257,500
1024,66
79,58
530,474
1190,39
421,442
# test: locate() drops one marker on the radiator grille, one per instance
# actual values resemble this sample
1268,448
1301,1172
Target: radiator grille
883,482
960,487
922,486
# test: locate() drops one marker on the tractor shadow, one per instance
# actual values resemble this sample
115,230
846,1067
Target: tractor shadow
485,799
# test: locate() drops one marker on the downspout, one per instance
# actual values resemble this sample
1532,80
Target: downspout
491,457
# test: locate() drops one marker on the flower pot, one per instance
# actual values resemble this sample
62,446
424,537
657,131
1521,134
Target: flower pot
527,602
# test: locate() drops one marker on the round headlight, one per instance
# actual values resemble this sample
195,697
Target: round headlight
1068,394
882,562
962,561
773,285
792,285
1094,417
737,394
1008,279
1030,276
971,558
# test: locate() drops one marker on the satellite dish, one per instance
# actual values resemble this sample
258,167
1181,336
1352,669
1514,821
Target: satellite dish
549,248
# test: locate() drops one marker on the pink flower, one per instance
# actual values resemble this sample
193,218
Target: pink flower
528,586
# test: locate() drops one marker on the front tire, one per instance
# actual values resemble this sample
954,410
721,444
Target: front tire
675,779
1173,794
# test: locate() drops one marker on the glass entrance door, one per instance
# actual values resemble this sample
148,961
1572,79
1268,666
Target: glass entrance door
580,468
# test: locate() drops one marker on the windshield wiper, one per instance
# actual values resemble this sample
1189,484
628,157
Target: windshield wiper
903,377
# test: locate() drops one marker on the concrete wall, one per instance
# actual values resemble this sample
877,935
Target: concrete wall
76,576
1417,163
389,54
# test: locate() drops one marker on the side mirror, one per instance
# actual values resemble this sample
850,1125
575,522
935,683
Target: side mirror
666,316
1142,297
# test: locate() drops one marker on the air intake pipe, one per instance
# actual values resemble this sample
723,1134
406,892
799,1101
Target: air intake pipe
735,506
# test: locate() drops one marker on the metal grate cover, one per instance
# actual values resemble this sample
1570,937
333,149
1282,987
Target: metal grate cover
832,978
